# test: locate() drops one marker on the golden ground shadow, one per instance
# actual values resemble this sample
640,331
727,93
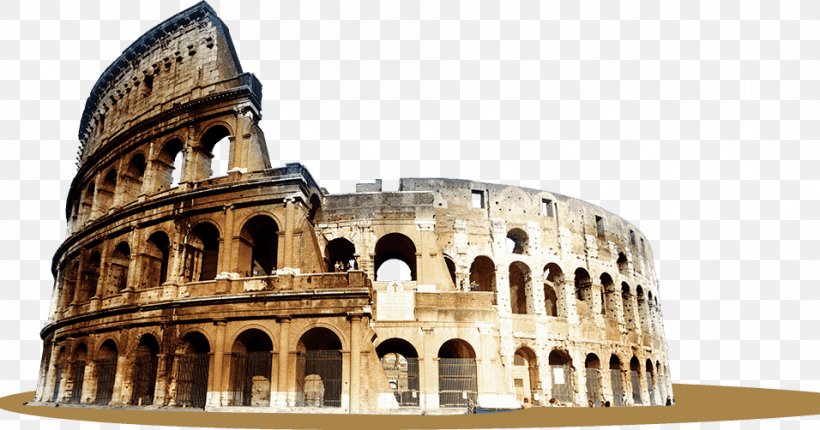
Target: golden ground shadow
695,403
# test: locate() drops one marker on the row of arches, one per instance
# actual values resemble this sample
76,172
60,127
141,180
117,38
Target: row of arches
149,171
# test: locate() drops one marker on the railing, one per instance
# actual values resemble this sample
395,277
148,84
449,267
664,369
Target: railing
106,372
247,373
319,378
192,380
457,383
618,395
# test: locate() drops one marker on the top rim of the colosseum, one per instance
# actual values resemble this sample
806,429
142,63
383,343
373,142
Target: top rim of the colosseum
143,44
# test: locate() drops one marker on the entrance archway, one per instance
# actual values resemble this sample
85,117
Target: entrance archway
400,362
616,376
251,361
145,371
525,375
193,359
592,366
78,373
105,366
560,364
457,374
319,369
258,246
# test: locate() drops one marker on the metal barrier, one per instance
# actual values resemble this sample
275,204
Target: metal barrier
650,385
58,378
106,372
145,379
244,367
457,384
618,395
593,387
192,380
562,383
77,375
403,375
636,387
320,378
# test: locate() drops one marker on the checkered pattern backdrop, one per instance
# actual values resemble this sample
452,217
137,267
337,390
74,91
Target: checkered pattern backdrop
695,120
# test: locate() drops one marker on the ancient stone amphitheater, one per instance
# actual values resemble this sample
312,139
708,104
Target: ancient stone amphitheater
177,287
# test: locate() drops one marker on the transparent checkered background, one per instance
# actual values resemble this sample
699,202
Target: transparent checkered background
695,120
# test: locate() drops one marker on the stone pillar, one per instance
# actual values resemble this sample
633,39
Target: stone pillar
281,398
218,381
228,257
162,382
428,371
568,288
122,385
49,373
289,229
355,361
78,284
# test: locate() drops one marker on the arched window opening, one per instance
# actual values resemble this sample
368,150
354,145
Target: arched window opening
616,376
251,361
90,278
319,369
155,260
609,298
105,366
132,180
341,255
69,281
525,376
169,165
258,246
482,274
315,207
78,373
395,246
635,379
650,382
561,371
401,366
145,371
451,269
118,269
553,286
215,157
623,264
592,367
202,253
105,194
87,203
520,288
550,301
583,286
59,365
517,241
457,374
192,357
626,304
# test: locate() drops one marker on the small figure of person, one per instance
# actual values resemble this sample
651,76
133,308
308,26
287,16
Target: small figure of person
526,404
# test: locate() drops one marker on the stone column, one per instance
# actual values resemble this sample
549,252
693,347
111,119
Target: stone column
281,398
355,361
218,382
228,257
428,371
162,380
289,229
122,385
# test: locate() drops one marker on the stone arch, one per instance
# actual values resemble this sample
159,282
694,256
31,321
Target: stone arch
216,135
155,260
634,377
340,254
617,382
202,252
592,374
482,274
87,202
395,246
118,269
400,363
315,207
553,289
520,288
457,373
90,277
518,242
583,287
68,274
133,177
144,376
251,363
78,361
106,191
562,373
608,298
319,368
623,264
191,369
168,164
258,246
105,370
525,374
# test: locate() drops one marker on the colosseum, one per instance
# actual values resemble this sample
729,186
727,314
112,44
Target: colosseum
182,287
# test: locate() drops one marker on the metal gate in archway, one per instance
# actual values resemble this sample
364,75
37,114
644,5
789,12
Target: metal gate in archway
58,378
617,387
319,378
77,377
650,384
593,387
457,383
403,375
244,367
192,380
145,378
106,372
562,387
636,387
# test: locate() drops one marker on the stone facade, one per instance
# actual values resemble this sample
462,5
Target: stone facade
179,288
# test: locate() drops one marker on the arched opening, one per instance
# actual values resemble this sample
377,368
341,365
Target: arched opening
623,264
202,253
215,157
131,187
553,283
525,376
87,203
105,366
58,374
78,373
118,269
69,281
616,376
319,369
592,367
457,374
482,274
258,246
145,371
626,304
315,207
341,255
583,287
560,364
451,269
650,382
401,366
192,357
609,300
520,288
155,260
169,165
517,241
90,278
105,194
395,248
251,361
635,380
